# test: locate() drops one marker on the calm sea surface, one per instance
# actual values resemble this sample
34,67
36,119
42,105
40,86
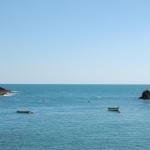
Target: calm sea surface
74,117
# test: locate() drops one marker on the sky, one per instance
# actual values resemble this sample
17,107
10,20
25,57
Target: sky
74,41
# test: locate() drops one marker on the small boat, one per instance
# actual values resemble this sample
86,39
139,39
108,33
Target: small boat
24,111
113,109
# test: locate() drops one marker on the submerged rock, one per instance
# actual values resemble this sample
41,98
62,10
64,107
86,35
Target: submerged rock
4,91
145,94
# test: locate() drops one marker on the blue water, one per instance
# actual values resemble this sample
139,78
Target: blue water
75,117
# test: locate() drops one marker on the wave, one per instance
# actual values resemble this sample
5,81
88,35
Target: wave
11,94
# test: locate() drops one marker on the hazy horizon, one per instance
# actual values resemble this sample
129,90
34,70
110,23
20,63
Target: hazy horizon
74,42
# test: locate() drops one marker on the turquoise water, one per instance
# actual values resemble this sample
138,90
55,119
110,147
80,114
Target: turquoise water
74,117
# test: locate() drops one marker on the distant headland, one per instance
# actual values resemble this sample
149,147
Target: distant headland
4,91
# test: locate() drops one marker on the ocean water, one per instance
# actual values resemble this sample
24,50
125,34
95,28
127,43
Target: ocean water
74,117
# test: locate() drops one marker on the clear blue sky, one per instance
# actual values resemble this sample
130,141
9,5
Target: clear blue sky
75,41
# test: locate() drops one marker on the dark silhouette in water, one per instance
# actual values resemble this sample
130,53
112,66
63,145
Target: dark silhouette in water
145,94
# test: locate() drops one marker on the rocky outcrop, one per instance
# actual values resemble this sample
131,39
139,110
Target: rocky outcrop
145,94
4,91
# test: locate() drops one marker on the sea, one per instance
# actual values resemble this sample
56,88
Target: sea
74,117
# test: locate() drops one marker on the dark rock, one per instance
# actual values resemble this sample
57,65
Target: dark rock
4,91
145,94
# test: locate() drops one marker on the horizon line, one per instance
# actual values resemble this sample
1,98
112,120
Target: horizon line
77,83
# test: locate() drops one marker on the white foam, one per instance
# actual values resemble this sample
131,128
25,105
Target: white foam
11,94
